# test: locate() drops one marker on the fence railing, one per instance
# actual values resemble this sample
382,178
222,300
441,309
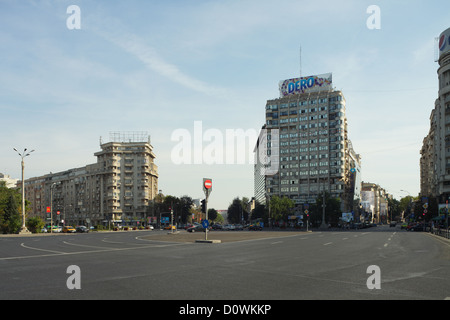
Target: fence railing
441,232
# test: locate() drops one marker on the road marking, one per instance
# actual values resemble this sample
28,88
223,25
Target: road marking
385,245
277,242
345,239
52,251
60,253
325,244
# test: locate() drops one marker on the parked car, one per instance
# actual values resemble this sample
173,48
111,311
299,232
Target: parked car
82,229
197,228
68,229
393,224
418,227
228,227
410,226
256,227
170,227
54,229
216,226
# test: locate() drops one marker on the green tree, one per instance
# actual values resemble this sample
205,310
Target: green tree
394,209
212,214
259,212
35,224
236,211
280,208
11,219
184,206
332,210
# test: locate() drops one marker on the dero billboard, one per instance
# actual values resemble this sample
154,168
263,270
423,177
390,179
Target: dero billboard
444,42
305,84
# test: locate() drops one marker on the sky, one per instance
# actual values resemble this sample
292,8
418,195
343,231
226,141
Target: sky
207,67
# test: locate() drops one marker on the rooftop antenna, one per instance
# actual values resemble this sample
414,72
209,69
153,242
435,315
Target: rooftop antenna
300,61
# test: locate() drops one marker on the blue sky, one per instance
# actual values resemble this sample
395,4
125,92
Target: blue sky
159,66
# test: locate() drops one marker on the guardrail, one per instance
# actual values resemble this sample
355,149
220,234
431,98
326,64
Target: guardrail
441,232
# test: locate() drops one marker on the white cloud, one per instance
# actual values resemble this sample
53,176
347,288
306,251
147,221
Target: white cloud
137,47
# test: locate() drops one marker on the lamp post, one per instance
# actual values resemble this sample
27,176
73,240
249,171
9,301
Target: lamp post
24,229
51,206
410,200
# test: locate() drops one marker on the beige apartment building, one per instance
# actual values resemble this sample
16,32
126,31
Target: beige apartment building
117,189
374,202
435,151
312,147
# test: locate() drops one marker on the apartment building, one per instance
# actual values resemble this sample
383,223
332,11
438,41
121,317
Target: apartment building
9,182
374,202
435,151
311,146
117,189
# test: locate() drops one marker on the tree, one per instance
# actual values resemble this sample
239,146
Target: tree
11,219
35,224
259,212
394,209
184,206
212,214
236,211
280,207
332,210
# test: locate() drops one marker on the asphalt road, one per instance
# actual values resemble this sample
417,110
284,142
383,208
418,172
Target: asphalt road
247,266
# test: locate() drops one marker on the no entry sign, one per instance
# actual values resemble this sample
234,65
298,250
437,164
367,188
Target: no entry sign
207,186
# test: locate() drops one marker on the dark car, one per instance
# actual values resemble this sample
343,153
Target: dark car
418,227
256,227
82,229
216,227
197,228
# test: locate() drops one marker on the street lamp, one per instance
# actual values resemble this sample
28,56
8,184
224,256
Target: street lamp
24,229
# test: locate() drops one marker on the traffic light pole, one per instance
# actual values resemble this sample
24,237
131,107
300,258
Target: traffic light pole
207,188
206,210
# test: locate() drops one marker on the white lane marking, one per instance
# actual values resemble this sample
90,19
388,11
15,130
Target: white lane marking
46,250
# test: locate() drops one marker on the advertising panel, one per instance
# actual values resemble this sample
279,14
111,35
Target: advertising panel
444,42
305,84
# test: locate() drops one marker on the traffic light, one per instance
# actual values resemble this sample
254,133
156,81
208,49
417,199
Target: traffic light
203,206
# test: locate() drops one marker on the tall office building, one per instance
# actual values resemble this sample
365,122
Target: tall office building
307,139
435,152
118,189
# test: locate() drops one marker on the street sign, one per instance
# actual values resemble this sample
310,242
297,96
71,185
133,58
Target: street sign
207,186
